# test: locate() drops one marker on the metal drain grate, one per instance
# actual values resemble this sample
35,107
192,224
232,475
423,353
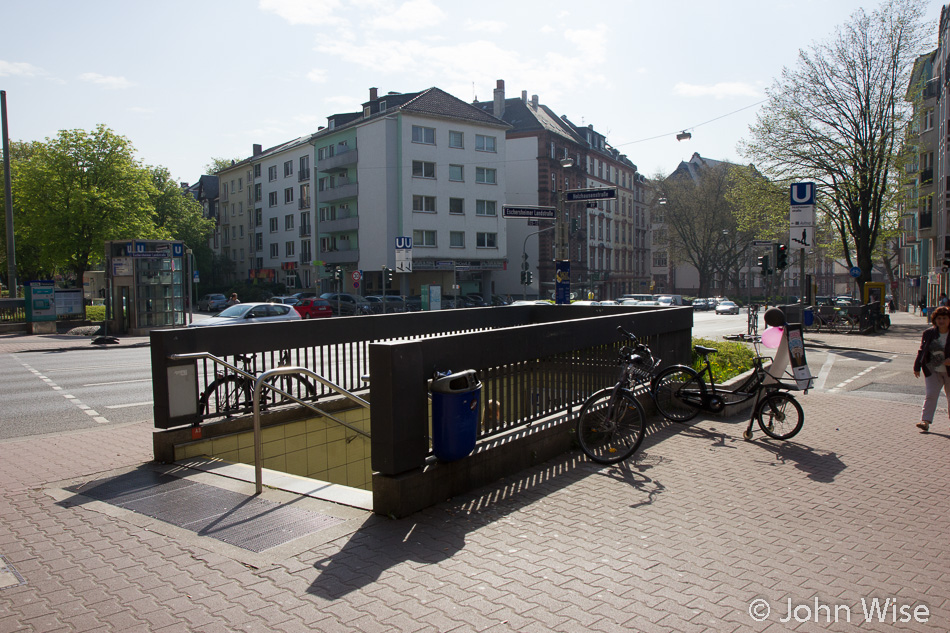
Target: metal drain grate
247,522
9,577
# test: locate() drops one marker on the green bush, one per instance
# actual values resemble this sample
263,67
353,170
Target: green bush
731,360
96,313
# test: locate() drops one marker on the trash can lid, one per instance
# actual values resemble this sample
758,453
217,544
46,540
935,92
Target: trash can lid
459,382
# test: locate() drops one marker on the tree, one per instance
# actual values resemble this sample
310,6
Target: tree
701,222
217,164
77,191
838,119
177,212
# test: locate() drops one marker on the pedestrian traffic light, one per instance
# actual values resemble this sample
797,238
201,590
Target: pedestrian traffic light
524,277
763,263
781,256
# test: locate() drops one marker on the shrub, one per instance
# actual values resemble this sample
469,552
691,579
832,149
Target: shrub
96,313
729,361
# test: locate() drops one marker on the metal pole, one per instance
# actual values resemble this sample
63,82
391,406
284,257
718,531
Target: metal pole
8,200
190,272
524,253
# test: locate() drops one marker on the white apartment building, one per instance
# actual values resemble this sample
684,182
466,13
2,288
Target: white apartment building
423,165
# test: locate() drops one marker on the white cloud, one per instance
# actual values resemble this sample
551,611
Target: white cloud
721,90
21,69
410,16
311,12
141,110
317,75
112,83
591,43
488,26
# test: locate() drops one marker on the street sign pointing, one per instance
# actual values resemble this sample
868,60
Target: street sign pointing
528,212
603,193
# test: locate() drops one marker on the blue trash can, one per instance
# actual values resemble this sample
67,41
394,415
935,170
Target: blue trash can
455,414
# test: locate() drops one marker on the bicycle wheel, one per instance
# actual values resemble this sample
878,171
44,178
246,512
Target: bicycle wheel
610,429
846,325
293,384
225,396
678,392
779,415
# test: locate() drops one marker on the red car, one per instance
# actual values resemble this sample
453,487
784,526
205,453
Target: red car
313,308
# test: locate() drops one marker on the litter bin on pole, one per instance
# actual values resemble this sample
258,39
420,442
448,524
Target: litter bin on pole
455,414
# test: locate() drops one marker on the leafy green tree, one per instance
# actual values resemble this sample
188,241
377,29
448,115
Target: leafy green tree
838,119
217,164
177,213
77,191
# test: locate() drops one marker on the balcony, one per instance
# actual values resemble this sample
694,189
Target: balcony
344,189
305,259
351,223
927,176
340,257
343,158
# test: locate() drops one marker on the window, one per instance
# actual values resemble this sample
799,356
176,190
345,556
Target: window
258,217
257,192
240,184
272,199
258,242
257,170
288,167
289,248
304,163
423,135
273,224
659,258
423,169
423,204
289,222
929,120
484,143
485,207
288,195
272,172
456,173
457,239
304,196
485,175
456,139
457,206
423,238
486,240
241,231
274,250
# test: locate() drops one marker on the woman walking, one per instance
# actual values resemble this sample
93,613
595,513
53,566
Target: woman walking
933,358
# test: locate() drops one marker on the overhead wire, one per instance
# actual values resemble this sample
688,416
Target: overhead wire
691,127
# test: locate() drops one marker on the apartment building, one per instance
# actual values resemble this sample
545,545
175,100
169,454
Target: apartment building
423,165
265,225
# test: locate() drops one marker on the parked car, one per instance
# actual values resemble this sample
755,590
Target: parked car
386,304
291,300
313,308
413,303
531,302
344,304
475,300
250,313
212,303
727,307
498,300
305,295
701,304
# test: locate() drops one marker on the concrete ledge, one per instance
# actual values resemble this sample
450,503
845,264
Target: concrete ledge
400,495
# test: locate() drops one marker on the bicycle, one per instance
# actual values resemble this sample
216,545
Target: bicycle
229,394
753,327
834,321
611,424
680,393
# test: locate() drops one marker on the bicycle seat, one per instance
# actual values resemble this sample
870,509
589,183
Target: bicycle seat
699,349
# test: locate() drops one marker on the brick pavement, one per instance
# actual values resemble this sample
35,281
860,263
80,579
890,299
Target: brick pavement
683,538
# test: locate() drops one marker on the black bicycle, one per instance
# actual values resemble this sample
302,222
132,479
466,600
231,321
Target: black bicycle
612,421
681,393
231,394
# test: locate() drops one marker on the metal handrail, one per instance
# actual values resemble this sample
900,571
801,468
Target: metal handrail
260,382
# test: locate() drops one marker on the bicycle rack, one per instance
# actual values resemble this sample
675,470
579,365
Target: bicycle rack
260,382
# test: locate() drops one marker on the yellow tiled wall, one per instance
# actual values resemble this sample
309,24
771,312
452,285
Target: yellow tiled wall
318,448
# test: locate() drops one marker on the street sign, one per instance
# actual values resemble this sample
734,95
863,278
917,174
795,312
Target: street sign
592,204
802,193
444,264
801,237
357,275
403,266
583,195
404,242
855,272
528,212
762,243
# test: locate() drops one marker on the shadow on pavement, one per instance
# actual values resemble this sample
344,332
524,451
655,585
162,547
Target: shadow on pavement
822,466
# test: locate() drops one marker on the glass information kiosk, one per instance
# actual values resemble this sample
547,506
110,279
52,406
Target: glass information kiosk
147,279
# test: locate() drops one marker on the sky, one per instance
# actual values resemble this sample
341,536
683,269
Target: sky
189,80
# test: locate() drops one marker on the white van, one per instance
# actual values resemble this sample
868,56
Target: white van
670,300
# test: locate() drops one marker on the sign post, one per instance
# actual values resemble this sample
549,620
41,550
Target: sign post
801,230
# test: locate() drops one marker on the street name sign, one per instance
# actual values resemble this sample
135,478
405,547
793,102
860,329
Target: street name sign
583,195
528,212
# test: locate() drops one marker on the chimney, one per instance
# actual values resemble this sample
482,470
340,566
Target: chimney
524,96
534,101
257,149
373,94
498,109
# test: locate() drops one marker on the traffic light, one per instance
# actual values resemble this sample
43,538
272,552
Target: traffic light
524,277
528,277
781,256
338,274
387,275
763,263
